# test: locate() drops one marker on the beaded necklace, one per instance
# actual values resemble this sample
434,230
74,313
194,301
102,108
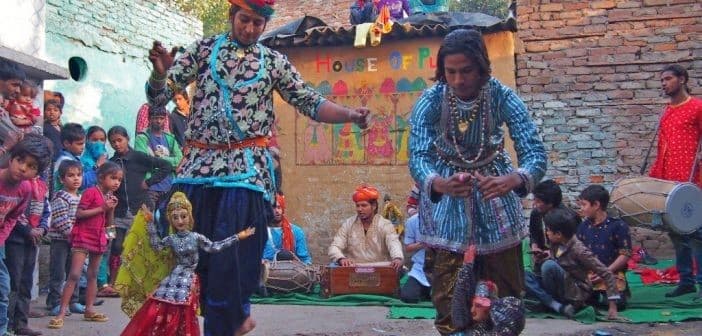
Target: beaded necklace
462,123
456,124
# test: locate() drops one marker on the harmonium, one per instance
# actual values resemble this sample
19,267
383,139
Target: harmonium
360,279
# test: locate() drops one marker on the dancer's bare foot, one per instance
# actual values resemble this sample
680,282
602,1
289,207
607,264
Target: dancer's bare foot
246,327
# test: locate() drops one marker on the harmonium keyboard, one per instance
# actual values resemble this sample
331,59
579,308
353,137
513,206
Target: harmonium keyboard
360,279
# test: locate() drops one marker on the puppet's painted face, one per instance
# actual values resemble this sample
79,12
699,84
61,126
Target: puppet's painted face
480,309
180,219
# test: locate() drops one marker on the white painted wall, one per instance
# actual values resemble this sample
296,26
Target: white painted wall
23,26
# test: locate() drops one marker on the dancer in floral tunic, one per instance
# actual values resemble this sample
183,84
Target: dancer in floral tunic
227,169
171,309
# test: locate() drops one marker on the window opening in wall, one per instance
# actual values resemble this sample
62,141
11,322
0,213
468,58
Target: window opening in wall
78,68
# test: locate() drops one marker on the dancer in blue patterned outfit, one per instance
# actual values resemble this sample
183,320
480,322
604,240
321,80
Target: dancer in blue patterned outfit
470,191
227,169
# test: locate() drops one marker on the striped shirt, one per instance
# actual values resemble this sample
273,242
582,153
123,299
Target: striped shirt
63,214
451,222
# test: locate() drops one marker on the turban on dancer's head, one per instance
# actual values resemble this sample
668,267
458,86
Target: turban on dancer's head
260,7
366,193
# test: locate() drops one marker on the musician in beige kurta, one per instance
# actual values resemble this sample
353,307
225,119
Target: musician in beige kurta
366,237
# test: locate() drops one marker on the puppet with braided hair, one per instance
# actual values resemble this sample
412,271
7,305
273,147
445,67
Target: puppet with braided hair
171,309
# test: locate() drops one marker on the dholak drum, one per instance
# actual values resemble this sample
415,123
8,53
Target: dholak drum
286,276
658,204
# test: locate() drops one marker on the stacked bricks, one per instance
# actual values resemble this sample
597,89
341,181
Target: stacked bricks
589,72
334,13
121,26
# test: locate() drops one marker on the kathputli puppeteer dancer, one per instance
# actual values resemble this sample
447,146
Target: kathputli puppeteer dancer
227,168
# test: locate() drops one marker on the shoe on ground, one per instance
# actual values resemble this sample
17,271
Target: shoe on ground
681,290
26,331
568,311
76,308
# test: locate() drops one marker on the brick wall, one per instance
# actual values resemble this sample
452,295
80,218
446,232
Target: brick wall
121,26
589,71
332,12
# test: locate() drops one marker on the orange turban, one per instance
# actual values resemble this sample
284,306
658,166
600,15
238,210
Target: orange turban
366,193
260,7
288,239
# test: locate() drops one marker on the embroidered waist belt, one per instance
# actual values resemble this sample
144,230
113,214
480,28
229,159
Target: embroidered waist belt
246,143
454,161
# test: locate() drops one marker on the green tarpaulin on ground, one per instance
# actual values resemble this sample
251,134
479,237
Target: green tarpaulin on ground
647,304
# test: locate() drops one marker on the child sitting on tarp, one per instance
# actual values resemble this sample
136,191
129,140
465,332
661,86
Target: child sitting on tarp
565,284
608,238
476,309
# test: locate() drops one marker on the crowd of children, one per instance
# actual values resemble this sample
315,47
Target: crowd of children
63,185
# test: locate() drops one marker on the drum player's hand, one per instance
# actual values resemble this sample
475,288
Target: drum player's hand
346,262
457,185
396,264
497,186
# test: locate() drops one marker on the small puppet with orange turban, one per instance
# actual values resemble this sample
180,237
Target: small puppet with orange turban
366,237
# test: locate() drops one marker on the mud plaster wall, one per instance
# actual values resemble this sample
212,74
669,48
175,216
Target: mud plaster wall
318,183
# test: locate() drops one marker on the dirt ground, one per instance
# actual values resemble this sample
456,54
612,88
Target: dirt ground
284,320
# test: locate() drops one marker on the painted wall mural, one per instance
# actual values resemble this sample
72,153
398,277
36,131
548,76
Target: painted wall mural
385,140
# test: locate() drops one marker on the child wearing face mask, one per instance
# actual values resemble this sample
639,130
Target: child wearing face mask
95,152
94,156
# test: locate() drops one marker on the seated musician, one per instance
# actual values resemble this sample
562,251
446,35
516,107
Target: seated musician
608,238
366,237
286,241
417,286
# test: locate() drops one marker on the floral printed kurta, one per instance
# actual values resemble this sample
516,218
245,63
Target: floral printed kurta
233,102
678,141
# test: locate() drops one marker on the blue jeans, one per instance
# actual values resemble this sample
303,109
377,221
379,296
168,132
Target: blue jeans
4,292
548,287
685,248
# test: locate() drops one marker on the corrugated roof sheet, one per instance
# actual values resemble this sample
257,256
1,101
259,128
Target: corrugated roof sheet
310,31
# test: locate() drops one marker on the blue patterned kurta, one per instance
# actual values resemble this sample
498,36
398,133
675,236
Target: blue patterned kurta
449,222
233,102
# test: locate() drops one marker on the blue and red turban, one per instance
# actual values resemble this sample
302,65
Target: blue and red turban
260,7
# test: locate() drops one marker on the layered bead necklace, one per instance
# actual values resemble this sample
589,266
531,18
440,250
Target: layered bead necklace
241,51
460,126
